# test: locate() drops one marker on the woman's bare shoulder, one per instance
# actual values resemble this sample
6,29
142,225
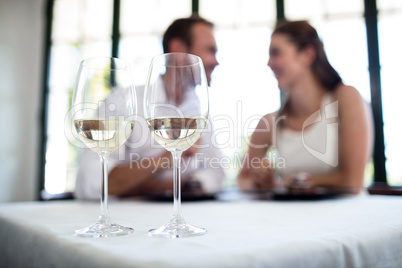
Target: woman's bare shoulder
263,131
267,121
345,92
348,97
350,103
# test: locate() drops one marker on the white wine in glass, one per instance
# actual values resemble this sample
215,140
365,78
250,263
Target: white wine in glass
175,132
176,110
105,135
104,109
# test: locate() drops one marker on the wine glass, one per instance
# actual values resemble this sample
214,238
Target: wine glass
176,111
104,108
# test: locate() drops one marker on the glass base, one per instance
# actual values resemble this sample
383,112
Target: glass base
177,228
104,228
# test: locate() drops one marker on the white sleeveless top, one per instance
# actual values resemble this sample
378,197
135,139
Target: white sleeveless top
314,149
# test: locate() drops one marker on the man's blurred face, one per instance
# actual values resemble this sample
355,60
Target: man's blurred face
204,46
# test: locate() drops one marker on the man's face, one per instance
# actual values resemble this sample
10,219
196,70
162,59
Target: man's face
204,46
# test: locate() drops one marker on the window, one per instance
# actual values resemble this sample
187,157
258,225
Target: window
390,43
241,95
83,28
142,24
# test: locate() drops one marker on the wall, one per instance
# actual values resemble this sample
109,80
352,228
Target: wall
21,46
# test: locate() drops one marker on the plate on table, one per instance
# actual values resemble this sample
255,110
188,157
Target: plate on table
190,191
168,197
317,193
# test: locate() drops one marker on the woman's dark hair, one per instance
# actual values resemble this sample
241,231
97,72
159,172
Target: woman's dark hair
182,29
302,35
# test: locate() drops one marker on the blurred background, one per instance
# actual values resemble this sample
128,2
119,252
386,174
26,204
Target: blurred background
43,41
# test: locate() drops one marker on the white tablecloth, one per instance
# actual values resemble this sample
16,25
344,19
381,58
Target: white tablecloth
363,231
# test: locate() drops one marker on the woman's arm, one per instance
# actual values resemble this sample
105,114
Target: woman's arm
255,172
355,142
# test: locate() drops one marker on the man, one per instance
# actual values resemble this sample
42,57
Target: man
146,169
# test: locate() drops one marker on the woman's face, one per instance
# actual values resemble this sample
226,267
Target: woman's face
286,62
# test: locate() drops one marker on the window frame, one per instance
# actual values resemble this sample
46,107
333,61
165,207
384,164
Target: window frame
379,185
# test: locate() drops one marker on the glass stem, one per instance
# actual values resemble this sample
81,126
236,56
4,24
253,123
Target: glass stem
177,185
104,213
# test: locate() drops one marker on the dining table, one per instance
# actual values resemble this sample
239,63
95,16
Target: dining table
242,231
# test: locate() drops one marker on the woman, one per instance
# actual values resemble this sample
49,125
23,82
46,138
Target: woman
323,131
